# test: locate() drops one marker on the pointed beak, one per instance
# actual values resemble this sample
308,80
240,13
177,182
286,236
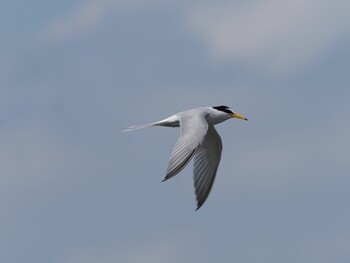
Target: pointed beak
238,116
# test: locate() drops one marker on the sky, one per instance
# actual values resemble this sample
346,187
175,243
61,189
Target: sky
74,188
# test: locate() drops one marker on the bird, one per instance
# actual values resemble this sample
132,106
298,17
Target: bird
199,140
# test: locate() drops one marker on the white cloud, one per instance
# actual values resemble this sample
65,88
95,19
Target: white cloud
279,35
82,19
87,16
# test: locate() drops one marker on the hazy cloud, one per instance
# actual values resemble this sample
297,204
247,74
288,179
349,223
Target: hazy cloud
87,16
279,35
80,20
74,188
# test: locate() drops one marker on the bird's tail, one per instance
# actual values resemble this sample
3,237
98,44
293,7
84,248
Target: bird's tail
172,121
137,127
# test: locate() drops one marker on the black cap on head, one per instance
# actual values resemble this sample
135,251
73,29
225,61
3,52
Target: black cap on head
223,108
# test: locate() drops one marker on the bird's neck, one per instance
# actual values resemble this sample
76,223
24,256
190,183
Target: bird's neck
214,119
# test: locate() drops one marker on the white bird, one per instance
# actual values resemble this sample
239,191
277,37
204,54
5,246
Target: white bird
198,139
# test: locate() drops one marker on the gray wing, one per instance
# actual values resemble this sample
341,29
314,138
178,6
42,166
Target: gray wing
206,163
193,130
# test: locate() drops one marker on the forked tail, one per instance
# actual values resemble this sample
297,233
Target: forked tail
137,127
172,121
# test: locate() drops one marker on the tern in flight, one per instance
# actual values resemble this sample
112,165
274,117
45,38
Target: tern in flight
199,140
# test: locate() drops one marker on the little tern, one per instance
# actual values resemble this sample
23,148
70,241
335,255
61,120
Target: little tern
198,139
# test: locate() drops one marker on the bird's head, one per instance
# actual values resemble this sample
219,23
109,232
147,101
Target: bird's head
229,113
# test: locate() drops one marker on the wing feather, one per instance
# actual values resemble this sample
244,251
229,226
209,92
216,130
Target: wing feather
206,163
193,130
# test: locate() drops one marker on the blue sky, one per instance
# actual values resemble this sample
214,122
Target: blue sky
74,188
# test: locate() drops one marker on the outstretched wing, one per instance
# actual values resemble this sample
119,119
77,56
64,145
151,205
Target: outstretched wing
193,130
206,163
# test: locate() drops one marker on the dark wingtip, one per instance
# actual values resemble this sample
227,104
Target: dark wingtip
166,178
199,206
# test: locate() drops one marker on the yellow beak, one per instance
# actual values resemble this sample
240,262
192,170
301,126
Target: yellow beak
238,116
